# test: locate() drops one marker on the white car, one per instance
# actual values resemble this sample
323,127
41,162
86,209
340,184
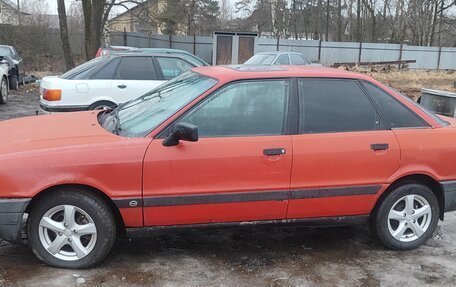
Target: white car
4,67
108,81
278,58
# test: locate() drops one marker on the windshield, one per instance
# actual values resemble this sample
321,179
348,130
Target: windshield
80,71
139,117
261,59
5,51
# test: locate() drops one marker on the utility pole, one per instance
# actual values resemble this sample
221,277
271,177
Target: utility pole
19,20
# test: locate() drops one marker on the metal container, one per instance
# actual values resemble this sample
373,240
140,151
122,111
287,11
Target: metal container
440,102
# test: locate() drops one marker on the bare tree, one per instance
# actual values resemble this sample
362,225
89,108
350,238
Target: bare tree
64,34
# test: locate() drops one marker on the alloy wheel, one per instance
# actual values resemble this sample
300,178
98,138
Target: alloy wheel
409,218
67,232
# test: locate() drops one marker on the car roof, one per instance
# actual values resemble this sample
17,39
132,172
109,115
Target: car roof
144,54
165,50
7,46
243,72
278,53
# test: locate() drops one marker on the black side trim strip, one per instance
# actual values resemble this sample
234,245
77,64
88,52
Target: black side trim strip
172,200
128,202
321,221
216,198
333,192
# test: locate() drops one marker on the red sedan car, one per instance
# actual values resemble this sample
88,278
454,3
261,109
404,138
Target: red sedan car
228,146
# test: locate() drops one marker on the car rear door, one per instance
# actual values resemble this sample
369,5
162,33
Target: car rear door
135,76
239,169
343,154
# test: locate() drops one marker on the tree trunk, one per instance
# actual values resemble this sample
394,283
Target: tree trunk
327,20
64,34
339,20
87,13
358,22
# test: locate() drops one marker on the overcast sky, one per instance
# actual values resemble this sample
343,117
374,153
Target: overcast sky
52,4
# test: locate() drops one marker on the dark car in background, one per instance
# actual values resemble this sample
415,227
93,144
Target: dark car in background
16,71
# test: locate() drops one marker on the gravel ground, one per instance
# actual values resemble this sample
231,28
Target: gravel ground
264,256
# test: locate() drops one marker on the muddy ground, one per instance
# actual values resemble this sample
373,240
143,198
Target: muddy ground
265,256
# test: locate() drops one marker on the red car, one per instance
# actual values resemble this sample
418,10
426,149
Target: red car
228,146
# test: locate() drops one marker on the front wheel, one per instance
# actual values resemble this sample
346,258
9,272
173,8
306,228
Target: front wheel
71,228
407,217
3,91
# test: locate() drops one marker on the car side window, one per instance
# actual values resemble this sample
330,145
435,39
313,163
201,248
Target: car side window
172,67
136,68
108,71
334,105
15,55
282,60
297,60
397,115
250,108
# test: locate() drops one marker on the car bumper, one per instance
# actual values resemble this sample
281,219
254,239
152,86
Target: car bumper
63,108
11,213
449,192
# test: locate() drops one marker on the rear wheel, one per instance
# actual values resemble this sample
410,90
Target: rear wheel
3,91
407,217
102,105
71,228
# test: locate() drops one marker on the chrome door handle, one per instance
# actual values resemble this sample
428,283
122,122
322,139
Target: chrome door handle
274,151
379,146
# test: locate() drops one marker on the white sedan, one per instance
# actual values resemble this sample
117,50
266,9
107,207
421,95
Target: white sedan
108,81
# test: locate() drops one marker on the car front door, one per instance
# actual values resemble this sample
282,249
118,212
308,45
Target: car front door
135,76
239,169
344,152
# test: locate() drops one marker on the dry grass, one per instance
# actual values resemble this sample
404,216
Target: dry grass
410,82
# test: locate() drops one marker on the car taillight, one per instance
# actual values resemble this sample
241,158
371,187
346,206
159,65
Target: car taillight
52,95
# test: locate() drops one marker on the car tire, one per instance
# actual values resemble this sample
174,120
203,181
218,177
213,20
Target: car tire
81,240
407,217
3,91
102,105
13,83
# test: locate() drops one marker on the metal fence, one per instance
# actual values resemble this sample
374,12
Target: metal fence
327,53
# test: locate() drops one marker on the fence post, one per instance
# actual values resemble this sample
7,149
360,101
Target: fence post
438,58
149,42
400,55
125,37
194,44
170,41
360,51
319,51
278,43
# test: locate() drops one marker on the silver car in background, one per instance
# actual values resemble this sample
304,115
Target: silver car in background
278,58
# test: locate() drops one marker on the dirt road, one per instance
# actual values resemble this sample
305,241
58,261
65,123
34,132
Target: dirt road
265,256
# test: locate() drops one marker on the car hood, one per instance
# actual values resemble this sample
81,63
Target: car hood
52,131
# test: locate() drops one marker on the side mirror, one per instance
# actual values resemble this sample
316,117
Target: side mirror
182,131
